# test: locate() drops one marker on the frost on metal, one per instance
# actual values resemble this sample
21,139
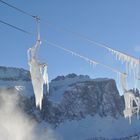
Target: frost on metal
132,103
38,71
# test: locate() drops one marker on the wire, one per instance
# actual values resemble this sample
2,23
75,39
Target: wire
91,61
81,56
17,9
66,50
15,27
83,37
68,30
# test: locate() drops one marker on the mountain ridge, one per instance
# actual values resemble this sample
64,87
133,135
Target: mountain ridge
78,107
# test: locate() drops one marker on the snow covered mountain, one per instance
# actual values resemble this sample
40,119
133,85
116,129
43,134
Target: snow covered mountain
77,108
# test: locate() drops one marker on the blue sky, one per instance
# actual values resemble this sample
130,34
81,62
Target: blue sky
112,22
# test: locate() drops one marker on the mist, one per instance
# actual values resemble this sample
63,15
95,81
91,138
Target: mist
17,125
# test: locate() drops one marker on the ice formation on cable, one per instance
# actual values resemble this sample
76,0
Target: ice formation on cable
91,62
132,103
132,64
38,71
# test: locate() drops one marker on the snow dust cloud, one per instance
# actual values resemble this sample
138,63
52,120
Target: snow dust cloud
16,125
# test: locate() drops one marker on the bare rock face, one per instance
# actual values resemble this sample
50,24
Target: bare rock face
91,98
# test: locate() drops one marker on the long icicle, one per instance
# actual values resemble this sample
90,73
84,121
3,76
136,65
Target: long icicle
38,70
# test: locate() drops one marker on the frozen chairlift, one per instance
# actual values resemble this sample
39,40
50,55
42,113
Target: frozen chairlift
38,71
132,103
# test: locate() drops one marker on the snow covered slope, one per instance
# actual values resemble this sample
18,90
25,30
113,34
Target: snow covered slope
10,77
62,83
91,109
78,108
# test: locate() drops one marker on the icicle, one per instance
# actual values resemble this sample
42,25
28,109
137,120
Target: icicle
28,53
91,62
45,77
129,99
118,76
36,75
132,64
94,65
123,77
37,82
